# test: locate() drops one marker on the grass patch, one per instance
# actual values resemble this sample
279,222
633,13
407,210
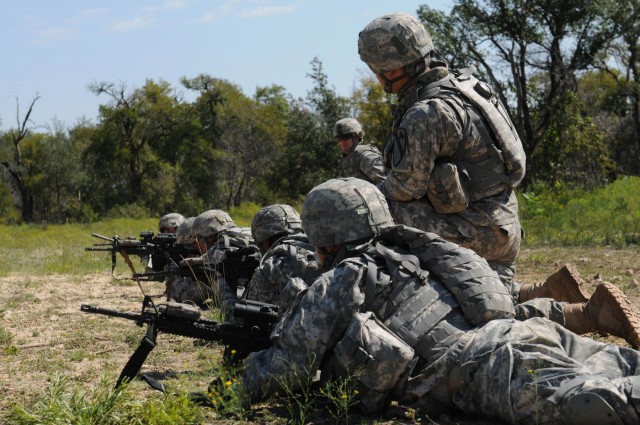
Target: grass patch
608,216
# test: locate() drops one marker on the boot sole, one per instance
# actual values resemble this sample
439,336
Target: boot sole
625,314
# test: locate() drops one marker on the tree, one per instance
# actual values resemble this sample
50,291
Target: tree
13,162
531,51
132,148
373,106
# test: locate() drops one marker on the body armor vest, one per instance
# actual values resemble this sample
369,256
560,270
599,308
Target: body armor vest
495,159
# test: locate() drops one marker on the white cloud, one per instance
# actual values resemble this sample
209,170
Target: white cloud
175,4
208,17
132,24
266,11
88,14
49,35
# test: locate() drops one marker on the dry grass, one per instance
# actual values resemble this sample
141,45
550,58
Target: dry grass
42,330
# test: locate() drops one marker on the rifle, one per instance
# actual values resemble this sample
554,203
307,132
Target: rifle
162,248
184,319
237,268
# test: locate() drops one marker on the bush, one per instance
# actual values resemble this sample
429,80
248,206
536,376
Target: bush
608,216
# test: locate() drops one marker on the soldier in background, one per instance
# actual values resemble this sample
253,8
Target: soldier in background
169,222
185,288
288,264
414,318
218,239
358,159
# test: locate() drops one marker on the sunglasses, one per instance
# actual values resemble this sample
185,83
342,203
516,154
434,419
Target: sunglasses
342,137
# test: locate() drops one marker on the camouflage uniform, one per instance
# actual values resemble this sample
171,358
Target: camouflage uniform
456,319
426,133
446,171
288,262
358,160
184,288
285,271
364,162
229,241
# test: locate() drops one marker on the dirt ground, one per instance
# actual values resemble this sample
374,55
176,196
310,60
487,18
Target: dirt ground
42,330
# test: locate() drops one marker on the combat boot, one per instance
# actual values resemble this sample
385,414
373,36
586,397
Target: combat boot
563,285
608,312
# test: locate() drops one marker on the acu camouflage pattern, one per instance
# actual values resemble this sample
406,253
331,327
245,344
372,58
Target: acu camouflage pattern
392,41
184,236
317,322
274,220
210,223
517,372
346,126
170,220
273,281
360,212
363,162
225,294
427,132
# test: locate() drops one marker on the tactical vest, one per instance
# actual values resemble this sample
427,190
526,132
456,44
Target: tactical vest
504,162
426,292
295,245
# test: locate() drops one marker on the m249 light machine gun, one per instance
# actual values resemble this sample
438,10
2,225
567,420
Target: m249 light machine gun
182,319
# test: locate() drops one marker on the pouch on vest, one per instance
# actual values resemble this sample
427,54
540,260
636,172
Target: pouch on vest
447,189
374,356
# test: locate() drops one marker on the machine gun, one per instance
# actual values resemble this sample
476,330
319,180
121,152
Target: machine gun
182,319
237,268
161,248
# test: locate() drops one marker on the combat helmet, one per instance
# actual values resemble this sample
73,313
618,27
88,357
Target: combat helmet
170,220
343,211
183,233
347,126
275,220
394,41
210,223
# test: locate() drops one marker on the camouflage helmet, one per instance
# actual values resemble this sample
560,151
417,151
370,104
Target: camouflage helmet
275,220
210,223
347,126
393,41
345,210
183,234
170,220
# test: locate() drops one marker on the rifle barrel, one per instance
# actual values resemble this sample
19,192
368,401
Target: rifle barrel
93,309
99,236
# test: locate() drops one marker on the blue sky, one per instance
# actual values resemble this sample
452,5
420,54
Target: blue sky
57,48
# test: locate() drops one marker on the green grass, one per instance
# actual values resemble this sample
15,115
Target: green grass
38,249
608,216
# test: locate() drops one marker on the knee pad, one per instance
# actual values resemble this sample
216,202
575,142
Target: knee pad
590,409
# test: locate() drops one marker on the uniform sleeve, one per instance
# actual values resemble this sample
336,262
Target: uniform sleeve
307,333
429,130
371,165
268,279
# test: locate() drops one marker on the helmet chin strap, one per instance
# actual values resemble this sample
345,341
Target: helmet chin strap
331,260
389,82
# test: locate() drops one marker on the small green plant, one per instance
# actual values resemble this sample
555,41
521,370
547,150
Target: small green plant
343,395
300,393
103,405
6,342
227,394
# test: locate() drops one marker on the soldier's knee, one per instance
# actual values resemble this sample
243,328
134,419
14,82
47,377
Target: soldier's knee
590,409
